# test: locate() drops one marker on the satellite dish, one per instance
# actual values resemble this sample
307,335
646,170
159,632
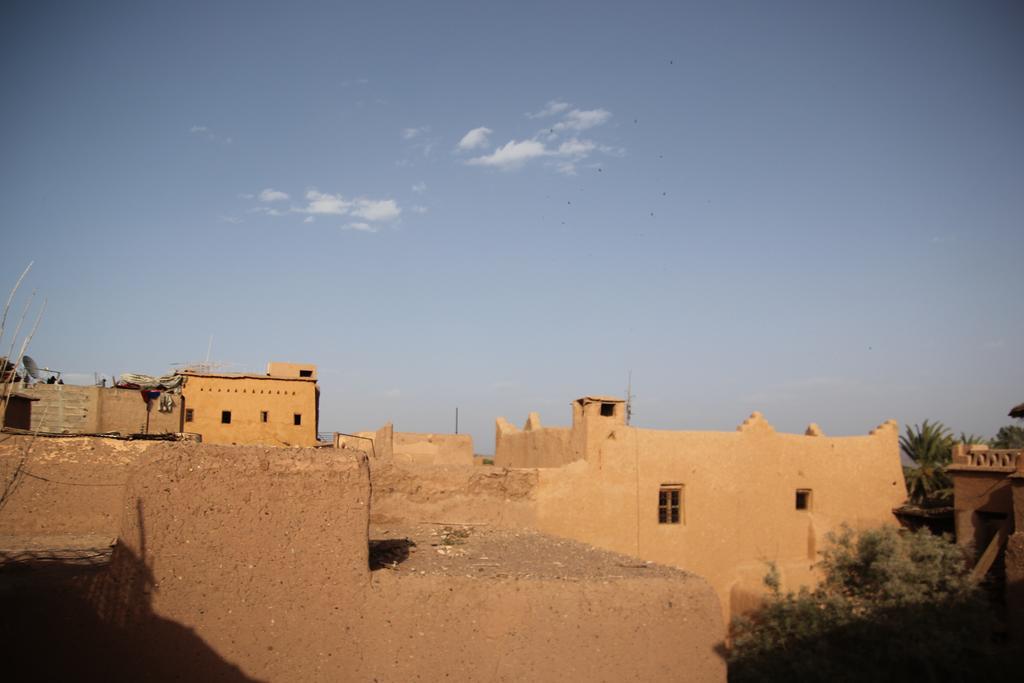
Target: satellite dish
30,366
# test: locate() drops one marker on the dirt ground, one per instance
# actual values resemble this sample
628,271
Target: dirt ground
481,551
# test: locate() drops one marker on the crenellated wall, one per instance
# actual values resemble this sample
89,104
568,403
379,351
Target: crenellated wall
737,491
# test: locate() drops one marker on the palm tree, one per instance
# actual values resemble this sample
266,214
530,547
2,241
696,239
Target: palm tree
930,446
1010,436
971,439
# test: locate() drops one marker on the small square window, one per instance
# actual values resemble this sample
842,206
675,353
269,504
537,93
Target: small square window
188,414
264,416
298,419
225,417
670,505
305,373
607,410
803,499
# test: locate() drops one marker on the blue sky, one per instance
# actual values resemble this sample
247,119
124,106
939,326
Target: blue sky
811,209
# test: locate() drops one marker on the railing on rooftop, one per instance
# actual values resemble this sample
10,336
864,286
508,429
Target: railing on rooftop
985,458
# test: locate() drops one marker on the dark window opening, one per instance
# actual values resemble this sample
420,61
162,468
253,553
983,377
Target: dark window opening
188,414
803,499
305,373
298,419
264,415
670,501
607,410
225,417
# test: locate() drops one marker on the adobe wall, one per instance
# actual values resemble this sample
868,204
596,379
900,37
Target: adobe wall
412,447
1013,558
64,485
244,563
533,446
462,629
453,494
124,411
738,497
249,547
207,396
434,449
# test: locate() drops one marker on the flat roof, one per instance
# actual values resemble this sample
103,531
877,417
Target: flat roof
243,375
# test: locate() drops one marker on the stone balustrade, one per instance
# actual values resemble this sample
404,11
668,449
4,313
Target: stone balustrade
985,458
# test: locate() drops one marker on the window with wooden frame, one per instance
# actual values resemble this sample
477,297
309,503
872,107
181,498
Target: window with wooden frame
264,416
189,414
670,504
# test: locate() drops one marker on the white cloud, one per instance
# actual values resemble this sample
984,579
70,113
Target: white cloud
576,148
233,220
323,203
475,138
309,219
418,208
550,109
420,187
512,155
361,227
579,119
269,195
410,133
376,209
204,131
266,210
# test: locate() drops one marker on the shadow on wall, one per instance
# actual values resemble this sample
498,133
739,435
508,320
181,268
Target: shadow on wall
97,624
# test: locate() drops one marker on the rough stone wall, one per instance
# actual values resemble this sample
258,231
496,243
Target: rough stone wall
64,408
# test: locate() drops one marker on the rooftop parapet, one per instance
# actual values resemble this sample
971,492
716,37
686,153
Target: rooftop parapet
982,458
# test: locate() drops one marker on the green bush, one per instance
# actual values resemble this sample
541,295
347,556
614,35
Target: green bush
893,606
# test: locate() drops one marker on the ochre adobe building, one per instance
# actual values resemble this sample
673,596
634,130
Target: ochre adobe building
988,504
280,408
720,504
